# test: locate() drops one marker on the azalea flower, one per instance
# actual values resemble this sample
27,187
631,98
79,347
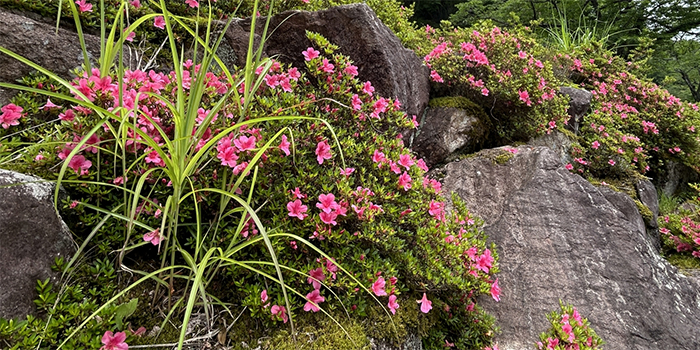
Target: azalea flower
113,341
368,88
310,54
280,311
323,151
329,218
284,145
327,203
159,22
347,171
314,298
425,304
316,277
10,115
297,209
393,305
405,181
79,164
378,287
244,143
496,291
84,6
263,296
192,3
154,237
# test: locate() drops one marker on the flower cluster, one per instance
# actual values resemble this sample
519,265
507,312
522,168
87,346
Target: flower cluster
569,331
681,231
501,71
634,125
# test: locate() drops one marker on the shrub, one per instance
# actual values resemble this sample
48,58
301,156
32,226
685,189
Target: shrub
503,72
635,126
352,190
680,231
569,331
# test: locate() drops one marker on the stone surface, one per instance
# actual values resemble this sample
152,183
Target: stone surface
559,237
412,342
446,130
675,177
394,71
579,104
556,141
31,236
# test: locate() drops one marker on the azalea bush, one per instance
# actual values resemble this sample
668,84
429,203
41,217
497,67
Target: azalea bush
634,126
240,178
569,331
504,72
680,230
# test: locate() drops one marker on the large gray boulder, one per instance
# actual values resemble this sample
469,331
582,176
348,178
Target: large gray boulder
395,71
560,237
446,130
579,104
32,235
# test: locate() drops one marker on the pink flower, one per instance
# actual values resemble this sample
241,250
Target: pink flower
296,209
79,164
244,143
496,291
368,88
310,54
351,70
192,3
323,151
154,237
436,77
484,262
159,22
436,208
378,157
280,311
83,6
378,287
525,97
228,157
284,145
297,193
327,203
405,181
49,105
10,115
263,296
136,3
611,162
329,218
393,305
406,161
316,278
347,171
356,102
314,298
522,54
595,145
326,66
485,91
426,304
113,341
68,116
569,167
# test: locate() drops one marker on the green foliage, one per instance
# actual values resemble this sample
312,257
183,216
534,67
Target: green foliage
569,331
505,73
680,229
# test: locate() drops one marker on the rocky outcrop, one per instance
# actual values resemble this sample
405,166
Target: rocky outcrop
446,130
579,104
32,235
394,71
561,238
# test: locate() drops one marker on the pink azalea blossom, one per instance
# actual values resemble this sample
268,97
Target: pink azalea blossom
484,262
113,341
406,161
351,70
436,77
426,305
79,164
378,287
347,171
378,157
49,105
316,277
329,218
280,311
327,203
368,88
10,115
154,237
297,193
595,145
569,166
284,145
393,305
314,298
405,181
84,6
297,209
245,143
228,157
310,54
496,291
611,162
525,97
327,66
263,296
192,3
159,22
323,151
136,3
356,102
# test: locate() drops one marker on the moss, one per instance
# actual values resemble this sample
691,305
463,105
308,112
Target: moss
645,211
502,158
684,261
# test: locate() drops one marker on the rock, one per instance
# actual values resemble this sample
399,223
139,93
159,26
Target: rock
579,104
37,41
394,71
412,342
676,177
646,192
32,235
556,141
446,130
559,237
